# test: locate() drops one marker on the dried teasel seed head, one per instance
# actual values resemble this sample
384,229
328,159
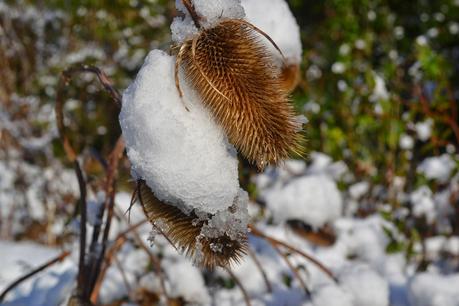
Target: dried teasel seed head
235,75
184,232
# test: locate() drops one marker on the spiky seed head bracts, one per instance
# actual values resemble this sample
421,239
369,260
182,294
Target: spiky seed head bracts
184,232
239,83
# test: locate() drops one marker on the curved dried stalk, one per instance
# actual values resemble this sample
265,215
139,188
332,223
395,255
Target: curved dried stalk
254,231
293,269
190,8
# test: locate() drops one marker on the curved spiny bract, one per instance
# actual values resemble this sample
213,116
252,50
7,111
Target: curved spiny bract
238,82
290,76
184,232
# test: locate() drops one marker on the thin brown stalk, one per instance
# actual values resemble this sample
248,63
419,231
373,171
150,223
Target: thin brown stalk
260,268
293,269
155,261
66,76
254,231
190,8
59,258
114,159
239,284
117,244
123,274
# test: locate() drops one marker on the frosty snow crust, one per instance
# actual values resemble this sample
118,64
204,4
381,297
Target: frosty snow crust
183,156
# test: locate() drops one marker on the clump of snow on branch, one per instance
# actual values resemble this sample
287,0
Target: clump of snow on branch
314,199
437,168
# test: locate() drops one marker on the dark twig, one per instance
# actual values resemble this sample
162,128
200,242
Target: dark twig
114,159
103,78
59,258
254,231
190,8
82,274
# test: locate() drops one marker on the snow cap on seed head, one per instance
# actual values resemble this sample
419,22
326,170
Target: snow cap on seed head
211,12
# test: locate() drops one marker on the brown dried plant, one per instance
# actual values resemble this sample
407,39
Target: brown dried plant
238,81
183,231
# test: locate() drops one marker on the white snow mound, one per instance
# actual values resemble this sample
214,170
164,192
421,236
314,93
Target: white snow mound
275,19
430,289
314,199
183,156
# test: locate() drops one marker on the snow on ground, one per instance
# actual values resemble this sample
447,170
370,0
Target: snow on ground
367,274
314,199
433,289
50,287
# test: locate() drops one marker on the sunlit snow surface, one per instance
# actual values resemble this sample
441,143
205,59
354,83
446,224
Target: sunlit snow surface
367,274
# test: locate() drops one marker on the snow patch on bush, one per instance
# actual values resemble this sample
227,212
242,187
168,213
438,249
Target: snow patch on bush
313,199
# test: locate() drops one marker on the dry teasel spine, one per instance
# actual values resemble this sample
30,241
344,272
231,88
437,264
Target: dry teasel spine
239,83
185,232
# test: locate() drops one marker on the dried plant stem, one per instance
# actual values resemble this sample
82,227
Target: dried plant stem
59,258
190,8
155,261
254,231
123,274
252,254
81,280
117,244
114,159
293,269
239,284
89,271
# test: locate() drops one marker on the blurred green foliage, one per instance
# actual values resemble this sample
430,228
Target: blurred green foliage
368,65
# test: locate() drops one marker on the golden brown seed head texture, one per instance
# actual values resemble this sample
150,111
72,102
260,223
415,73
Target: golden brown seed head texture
234,74
183,231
